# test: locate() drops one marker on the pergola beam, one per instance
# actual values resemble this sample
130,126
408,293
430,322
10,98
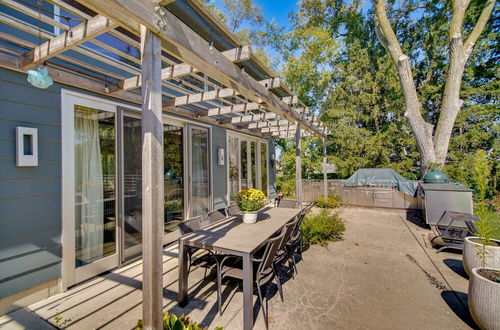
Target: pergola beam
238,54
220,93
241,107
182,42
81,33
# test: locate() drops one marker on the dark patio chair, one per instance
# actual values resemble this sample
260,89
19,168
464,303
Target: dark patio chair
233,210
188,226
283,253
294,244
217,215
264,275
287,203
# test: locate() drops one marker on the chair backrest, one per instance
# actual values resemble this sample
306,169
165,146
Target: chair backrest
298,224
233,210
216,215
192,224
287,203
472,227
272,247
287,229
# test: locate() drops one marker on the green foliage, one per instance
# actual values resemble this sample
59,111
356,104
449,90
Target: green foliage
250,200
321,228
484,226
330,202
334,62
172,322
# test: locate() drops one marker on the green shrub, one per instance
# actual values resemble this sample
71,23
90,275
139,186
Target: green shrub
331,202
172,322
321,228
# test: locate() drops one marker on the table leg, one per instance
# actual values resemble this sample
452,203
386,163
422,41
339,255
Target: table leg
182,297
247,292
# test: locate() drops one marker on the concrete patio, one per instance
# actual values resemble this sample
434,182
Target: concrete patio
383,275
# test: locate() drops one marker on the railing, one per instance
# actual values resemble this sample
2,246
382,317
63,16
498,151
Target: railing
313,189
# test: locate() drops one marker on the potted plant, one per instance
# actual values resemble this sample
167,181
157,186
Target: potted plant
484,278
481,249
250,201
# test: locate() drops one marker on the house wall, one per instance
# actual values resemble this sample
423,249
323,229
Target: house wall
30,197
219,172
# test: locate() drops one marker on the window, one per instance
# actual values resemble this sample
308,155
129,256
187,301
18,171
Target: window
247,164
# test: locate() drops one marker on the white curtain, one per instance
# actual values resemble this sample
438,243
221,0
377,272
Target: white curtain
89,184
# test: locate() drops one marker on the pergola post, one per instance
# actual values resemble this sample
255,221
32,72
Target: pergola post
152,180
298,165
325,182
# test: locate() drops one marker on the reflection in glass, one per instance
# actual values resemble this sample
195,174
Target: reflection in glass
244,165
95,185
253,162
200,172
132,180
173,148
233,167
263,167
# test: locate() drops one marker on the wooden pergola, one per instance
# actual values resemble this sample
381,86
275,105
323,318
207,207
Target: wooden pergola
214,79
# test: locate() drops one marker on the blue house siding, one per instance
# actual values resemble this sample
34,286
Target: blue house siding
30,197
219,171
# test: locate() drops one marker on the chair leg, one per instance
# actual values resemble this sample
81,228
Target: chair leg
219,290
278,283
293,265
264,312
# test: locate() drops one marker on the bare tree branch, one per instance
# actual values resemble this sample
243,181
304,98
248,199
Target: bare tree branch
478,29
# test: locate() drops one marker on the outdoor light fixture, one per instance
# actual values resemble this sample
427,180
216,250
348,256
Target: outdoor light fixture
220,156
26,146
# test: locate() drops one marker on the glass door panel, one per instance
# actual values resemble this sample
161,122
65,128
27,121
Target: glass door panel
233,167
173,148
244,164
200,172
263,167
132,187
253,163
95,185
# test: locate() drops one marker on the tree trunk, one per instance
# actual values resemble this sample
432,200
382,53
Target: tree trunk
433,150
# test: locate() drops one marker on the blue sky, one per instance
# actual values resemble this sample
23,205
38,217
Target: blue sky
277,9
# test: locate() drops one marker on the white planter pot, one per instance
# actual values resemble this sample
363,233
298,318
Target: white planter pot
470,255
484,301
250,217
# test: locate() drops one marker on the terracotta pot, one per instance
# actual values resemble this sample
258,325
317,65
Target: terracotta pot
470,254
250,217
484,301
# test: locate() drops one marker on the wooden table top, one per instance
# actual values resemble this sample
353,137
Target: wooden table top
232,234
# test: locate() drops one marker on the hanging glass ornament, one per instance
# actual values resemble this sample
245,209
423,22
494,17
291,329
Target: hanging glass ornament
40,77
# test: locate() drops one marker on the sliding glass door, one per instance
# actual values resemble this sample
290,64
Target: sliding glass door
132,187
247,164
173,166
199,189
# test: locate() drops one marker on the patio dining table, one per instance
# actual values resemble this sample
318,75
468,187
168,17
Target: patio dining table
232,236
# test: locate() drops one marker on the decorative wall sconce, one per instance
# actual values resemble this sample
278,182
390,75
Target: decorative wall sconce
26,146
273,160
220,156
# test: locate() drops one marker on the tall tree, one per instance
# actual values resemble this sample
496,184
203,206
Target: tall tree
433,143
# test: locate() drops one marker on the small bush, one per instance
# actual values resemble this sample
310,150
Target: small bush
321,228
331,202
172,322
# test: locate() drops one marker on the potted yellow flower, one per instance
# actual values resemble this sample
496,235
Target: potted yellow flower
250,201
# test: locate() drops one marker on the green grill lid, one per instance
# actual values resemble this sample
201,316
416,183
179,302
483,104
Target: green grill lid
436,176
